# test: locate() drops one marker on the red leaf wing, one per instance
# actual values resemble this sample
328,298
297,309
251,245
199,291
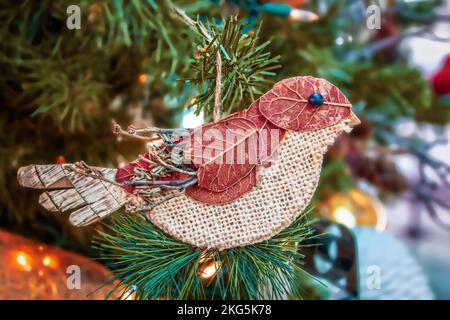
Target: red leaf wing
270,135
286,104
234,192
127,172
223,152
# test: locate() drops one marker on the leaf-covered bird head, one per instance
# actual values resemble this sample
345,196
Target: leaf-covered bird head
305,104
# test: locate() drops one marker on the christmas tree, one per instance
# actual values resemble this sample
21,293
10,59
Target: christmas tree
69,69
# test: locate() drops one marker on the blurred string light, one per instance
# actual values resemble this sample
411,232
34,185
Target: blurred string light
344,216
343,39
287,11
284,10
129,294
302,15
191,120
339,41
49,261
23,261
32,270
210,269
355,208
208,266
142,78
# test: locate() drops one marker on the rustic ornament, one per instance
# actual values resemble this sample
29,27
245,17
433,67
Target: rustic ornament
220,185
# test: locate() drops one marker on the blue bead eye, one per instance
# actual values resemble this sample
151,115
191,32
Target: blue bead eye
316,99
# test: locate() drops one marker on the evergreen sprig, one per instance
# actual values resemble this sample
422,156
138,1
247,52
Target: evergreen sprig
247,67
158,266
52,71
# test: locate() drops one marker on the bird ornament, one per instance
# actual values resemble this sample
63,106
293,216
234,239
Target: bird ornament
225,184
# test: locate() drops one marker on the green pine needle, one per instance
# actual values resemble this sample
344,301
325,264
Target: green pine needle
65,74
246,67
158,266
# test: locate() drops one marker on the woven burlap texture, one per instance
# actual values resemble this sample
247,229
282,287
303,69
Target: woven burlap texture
285,189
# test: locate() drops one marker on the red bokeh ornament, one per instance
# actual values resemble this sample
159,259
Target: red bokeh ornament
441,79
33,271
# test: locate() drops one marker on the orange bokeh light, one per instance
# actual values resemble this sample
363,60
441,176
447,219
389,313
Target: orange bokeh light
60,159
46,261
210,270
23,260
142,78
49,262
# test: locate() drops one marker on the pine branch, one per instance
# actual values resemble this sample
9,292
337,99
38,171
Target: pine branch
65,74
217,108
157,266
243,66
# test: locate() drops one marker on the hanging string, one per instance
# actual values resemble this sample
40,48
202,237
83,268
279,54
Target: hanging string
217,112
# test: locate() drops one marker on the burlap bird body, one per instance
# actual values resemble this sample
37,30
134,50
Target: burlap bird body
230,183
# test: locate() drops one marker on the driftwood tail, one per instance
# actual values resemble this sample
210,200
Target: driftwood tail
88,199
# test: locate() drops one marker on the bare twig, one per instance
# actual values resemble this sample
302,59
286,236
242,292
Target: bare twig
117,129
160,183
172,167
191,23
133,130
83,169
217,112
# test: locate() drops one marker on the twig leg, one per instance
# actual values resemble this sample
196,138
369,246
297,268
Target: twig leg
131,132
82,168
147,210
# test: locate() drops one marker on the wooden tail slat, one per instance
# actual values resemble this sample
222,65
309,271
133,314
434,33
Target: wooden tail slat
66,190
43,177
61,200
83,217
